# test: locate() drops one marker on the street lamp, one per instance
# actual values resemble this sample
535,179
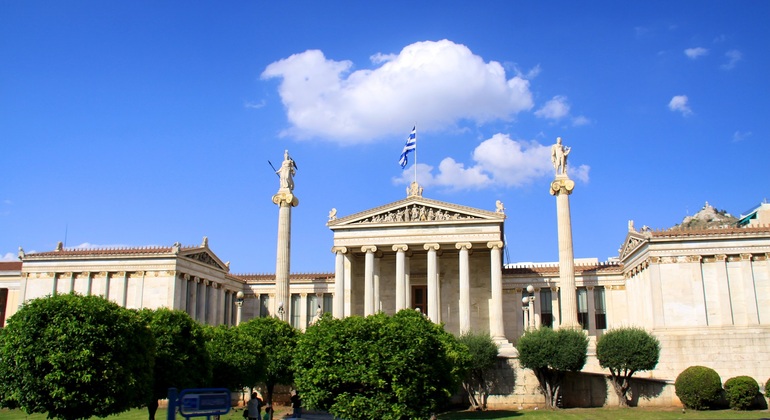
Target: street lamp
239,304
528,305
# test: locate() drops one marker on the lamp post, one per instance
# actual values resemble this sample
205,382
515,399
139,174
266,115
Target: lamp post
528,305
239,304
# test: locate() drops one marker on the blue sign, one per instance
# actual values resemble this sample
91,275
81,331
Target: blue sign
204,402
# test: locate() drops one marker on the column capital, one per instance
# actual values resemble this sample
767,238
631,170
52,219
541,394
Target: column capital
340,249
495,244
721,257
284,198
369,248
562,185
434,247
746,257
401,247
463,245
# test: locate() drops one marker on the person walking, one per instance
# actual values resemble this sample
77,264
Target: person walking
254,407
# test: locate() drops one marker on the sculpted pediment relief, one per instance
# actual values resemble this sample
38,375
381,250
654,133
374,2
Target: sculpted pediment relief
633,241
207,258
417,210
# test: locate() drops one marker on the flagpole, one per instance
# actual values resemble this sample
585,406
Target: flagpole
415,153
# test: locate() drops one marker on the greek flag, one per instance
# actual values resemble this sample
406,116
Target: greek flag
411,144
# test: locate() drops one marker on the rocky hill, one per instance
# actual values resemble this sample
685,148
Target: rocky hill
708,218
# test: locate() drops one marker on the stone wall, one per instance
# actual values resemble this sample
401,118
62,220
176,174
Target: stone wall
516,388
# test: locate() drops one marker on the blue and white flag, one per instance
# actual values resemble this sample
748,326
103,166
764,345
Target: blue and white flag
411,144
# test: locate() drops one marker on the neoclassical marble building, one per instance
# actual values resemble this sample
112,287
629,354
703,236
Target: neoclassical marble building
704,293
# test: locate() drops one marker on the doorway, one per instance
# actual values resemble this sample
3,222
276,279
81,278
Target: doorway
420,298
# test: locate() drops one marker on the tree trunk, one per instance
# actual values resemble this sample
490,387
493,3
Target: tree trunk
471,395
152,408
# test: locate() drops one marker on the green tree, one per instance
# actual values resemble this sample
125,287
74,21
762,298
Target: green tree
278,339
181,359
625,351
550,354
236,358
74,357
698,387
482,352
741,392
384,367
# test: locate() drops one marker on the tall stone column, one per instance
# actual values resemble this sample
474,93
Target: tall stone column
465,287
433,308
400,276
369,279
562,187
339,281
285,200
496,326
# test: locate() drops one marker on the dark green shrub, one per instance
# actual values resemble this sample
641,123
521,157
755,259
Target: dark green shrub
698,387
767,388
741,392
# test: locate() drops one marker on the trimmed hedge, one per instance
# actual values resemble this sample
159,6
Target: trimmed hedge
767,388
698,387
741,392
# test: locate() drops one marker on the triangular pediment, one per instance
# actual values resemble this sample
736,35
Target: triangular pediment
634,240
418,210
205,256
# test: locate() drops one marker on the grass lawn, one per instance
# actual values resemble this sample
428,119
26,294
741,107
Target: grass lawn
569,413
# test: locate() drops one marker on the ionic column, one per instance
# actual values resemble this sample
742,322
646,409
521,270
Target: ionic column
433,305
369,278
400,276
555,305
465,287
591,302
376,296
562,187
496,327
124,298
339,281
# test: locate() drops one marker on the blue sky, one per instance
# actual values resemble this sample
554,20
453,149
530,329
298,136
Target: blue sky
145,123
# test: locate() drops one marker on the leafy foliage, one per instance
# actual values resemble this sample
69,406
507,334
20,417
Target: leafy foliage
698,387
625,351
383,367
236,359
75,357
482,353
767,388
741,392
277,340
181,359
550,354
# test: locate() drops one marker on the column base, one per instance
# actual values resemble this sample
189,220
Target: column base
505,348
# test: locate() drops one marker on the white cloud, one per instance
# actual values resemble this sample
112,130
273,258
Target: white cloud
739,136
694,53
733,57
498,161
255,105
679,104
435,84
555,109
9,256
580,120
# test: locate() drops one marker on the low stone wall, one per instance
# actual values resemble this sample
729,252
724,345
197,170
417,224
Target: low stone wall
517,388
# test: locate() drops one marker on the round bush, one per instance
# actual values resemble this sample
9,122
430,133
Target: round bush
741,392
767,388
698,387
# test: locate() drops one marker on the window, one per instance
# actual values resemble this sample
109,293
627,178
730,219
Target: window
264,306
294,310
328,303
3,304
312,307
582,304
546,311
601,311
